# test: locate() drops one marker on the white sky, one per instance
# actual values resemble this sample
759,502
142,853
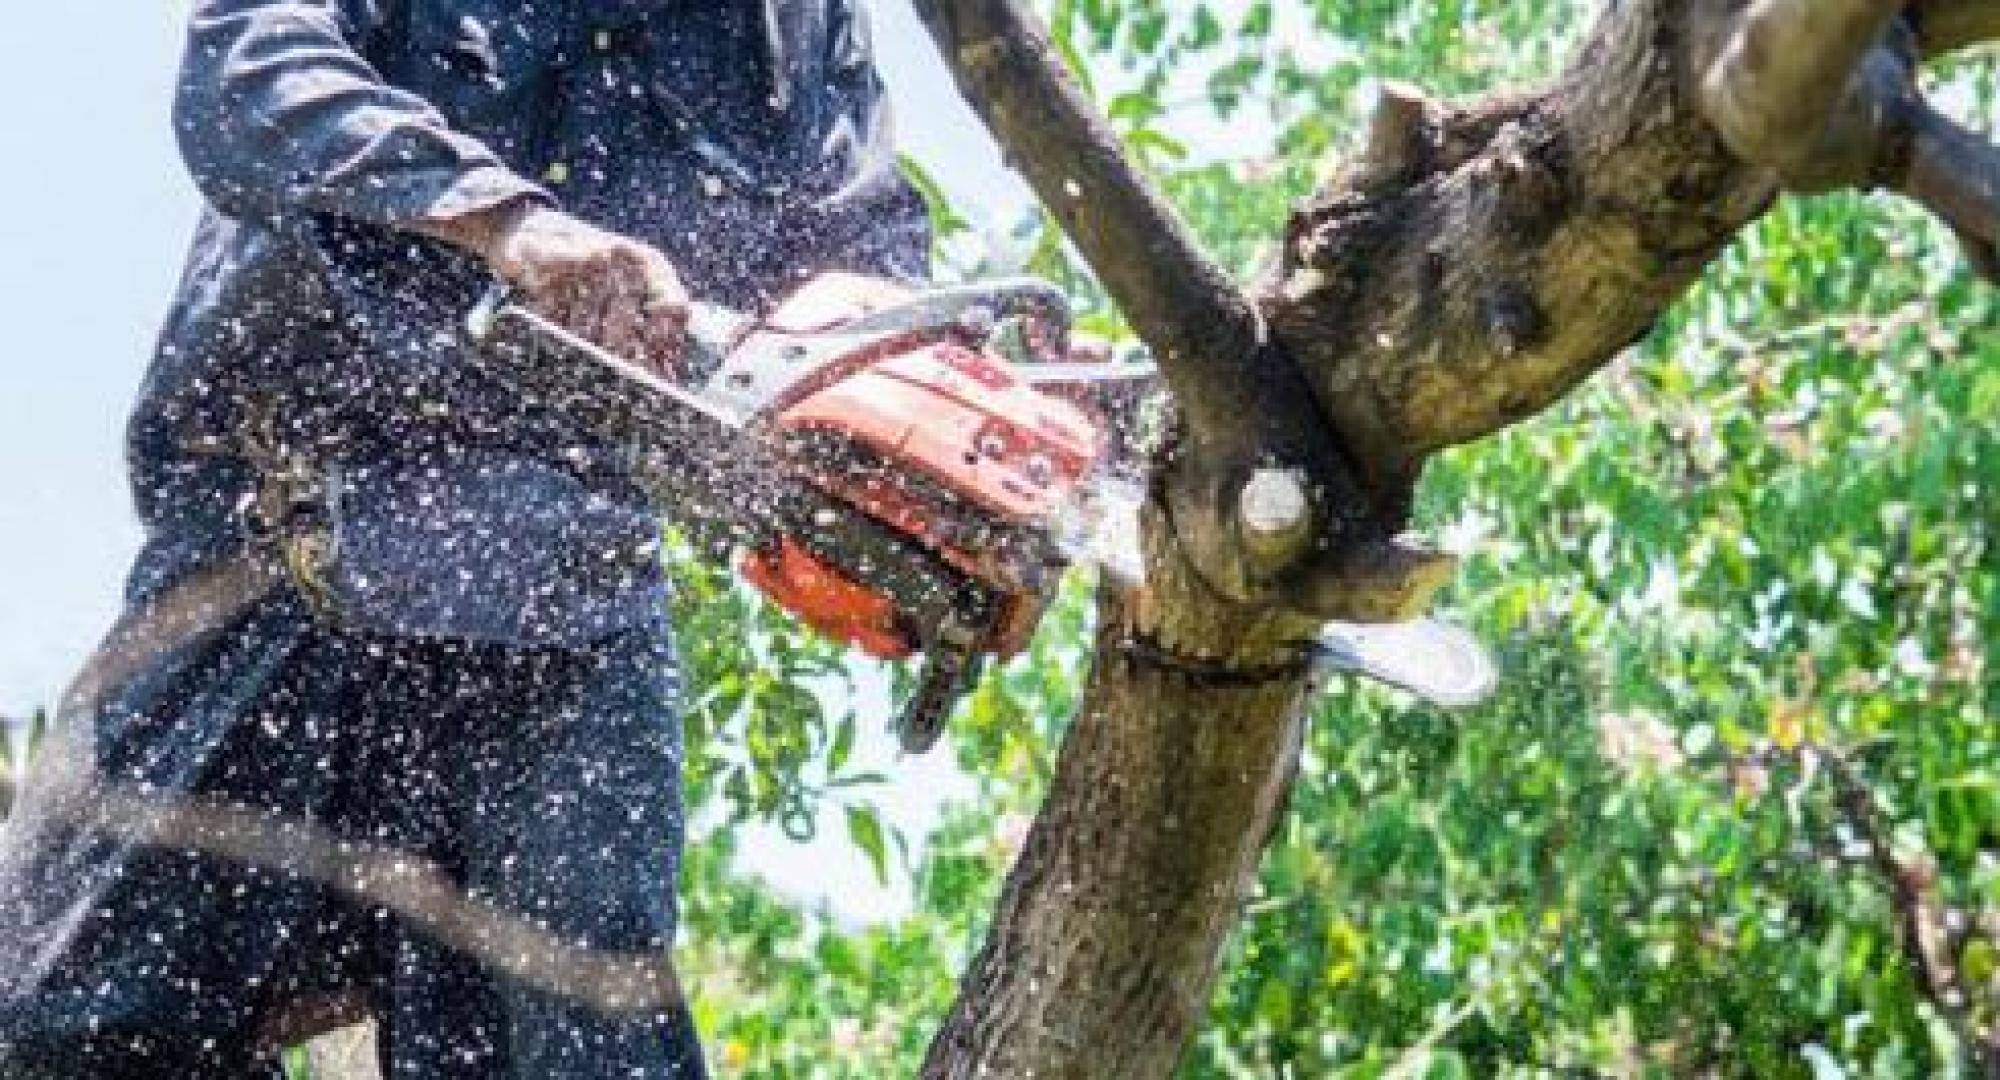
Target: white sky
95,211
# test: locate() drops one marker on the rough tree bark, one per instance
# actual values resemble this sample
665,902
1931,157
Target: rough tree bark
1473,265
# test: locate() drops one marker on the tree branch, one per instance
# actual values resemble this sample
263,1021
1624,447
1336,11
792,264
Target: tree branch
1201,327
1512,247
1884,133
1783,68
1955,173
1481,260
1879,131
1946,26
1341,557
1911,882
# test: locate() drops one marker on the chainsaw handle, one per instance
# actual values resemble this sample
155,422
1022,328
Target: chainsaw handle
976,308
712,330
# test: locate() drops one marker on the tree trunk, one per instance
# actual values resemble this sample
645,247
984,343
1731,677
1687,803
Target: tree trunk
1104,950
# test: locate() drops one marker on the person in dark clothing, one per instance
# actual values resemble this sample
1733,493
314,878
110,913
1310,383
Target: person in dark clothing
389,725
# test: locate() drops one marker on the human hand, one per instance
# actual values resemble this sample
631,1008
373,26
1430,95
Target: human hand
615,291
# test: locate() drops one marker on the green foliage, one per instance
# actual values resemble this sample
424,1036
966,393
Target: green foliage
1761,543
770,720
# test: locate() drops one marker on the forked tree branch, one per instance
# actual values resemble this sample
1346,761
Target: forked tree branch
1481,260
1880,131
1476,265
1248,409
1827,94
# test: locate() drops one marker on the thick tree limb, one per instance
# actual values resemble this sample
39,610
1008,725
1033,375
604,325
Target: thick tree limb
1104,947
1518,247
1177,299
1946,26
1883,133
1880,132
1476,266
1782,69
1955,173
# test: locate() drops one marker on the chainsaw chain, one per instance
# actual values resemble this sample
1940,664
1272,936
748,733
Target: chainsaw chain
1206,673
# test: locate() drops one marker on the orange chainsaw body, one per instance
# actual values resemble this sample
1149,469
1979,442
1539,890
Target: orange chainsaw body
939,440
827,600
900,466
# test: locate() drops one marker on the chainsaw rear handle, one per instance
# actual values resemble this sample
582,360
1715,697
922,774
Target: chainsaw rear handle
712,330
976,309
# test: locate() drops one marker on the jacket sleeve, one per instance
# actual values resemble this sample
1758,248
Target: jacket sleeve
892,226
276,110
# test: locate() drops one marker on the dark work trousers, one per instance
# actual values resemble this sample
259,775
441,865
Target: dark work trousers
515,803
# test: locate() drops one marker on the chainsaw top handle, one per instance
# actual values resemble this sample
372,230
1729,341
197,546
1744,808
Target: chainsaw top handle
973,310
976,309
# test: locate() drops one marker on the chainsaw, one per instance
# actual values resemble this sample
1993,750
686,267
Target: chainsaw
909,472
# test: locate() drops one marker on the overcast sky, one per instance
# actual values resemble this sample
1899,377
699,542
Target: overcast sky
95,211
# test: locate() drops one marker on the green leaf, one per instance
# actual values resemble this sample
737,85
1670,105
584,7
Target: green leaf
946,221
864,828
1134,107
1206,32
843,746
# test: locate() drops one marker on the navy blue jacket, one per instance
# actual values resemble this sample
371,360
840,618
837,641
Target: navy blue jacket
747,139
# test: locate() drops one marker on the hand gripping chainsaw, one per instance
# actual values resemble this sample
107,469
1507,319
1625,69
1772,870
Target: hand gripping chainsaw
907,472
